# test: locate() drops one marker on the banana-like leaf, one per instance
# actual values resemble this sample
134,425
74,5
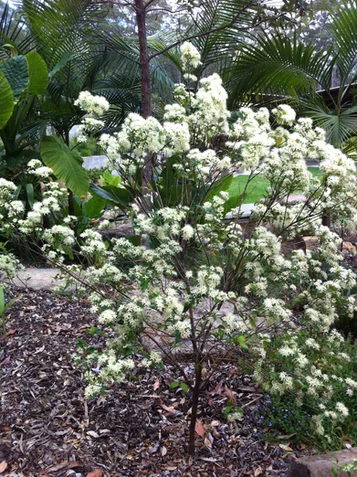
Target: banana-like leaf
223,184
66,164
6,100
233,202
17,73
38,74
118,196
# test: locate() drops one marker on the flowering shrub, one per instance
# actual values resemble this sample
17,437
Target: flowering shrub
196,278
311,377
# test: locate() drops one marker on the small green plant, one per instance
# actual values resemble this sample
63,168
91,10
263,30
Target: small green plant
177,384
3,309
232,412
95,174
348,468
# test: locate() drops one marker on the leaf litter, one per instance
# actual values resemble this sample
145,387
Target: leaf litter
48,429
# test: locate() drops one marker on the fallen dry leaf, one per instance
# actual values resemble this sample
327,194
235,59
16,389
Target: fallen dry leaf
285,448
5,361
170,410
156,385
3,466
207,443
59,466
258,471
95,473
200,430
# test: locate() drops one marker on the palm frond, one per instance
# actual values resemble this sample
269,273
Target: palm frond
280,66
344,34
13,32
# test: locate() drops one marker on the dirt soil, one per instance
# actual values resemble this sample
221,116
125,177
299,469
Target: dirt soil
47,428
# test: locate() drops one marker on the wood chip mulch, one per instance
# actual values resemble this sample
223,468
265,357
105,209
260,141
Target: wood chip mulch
48,429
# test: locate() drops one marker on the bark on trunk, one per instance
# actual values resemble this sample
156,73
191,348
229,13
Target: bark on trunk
146,108
140,12
195,399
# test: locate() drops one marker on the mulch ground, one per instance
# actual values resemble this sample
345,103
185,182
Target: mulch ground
139,428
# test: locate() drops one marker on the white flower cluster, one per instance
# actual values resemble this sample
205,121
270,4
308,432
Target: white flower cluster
93,104
36,168
311,368
190,56
284,114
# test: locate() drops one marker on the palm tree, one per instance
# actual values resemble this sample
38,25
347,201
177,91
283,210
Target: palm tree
282,69
217,29
64,33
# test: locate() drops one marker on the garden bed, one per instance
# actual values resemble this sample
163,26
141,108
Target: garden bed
47,428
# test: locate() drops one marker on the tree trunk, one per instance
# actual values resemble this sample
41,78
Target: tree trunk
195,398
146,107
140,12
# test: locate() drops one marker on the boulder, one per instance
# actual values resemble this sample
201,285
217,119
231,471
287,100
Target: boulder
348,248
311,242
321,465
293,199
297,243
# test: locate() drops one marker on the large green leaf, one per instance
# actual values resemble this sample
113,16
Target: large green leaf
66,164
118,196
223,184
38,74
233,202
6,100
17,73
93,207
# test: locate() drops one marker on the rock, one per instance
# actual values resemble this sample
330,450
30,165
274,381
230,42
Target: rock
321,465
288,246
293,199
39,279
311,242
348,248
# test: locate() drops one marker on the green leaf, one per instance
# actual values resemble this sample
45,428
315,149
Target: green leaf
93,207
17,73
233,202
61,63
110,179
38,74
184,388
6,100
223,184
95,331
68,251
30,194
66,164
334,470
118,196
10,303
2,301
174,385
241,341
